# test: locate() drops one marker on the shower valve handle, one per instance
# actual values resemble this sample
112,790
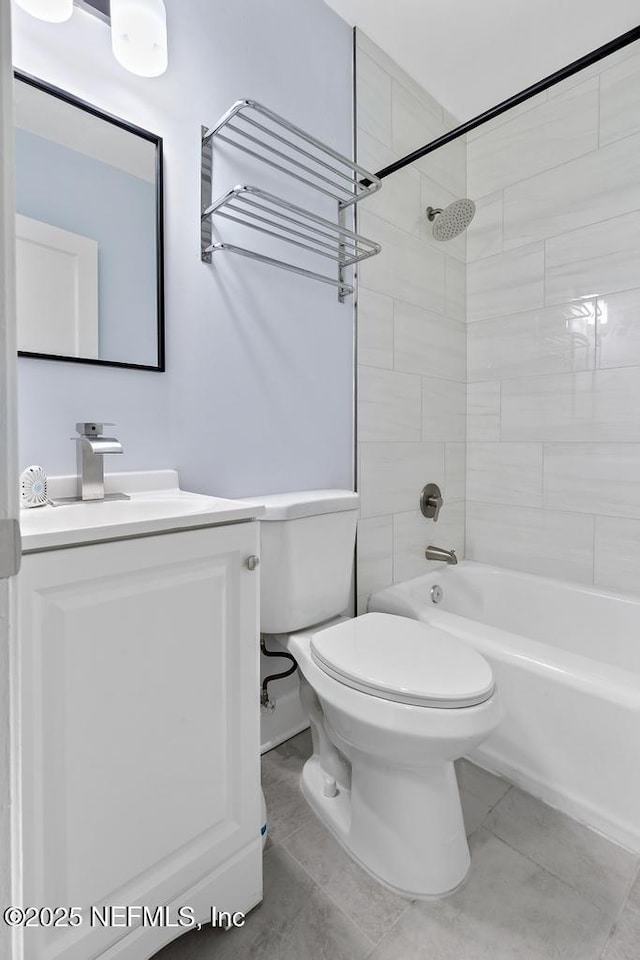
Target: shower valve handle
431,501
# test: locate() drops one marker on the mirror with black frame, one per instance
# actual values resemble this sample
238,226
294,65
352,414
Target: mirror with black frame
89,245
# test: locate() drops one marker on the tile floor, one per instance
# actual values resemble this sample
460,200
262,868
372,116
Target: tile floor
541,887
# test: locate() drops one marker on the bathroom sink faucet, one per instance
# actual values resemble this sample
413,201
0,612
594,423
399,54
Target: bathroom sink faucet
91,447
438,553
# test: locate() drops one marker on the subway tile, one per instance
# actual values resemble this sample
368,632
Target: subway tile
620,100
399,201
373,155
443,409
375,554
597,406
598,186
558,339
435,195
412,534
375,329
546,542
390,66
505,473
450,122
414,123
373,99
456,289
446,165
594,260
455,471
555,131
601,478
618,329
428,343
484,233
617,554
362,603
508,116
483,410
392,475
407,268
594,70
506,283
388,405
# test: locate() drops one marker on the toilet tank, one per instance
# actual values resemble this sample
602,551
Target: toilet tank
306,557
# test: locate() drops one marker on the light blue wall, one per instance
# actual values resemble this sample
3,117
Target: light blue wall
79,193
258,394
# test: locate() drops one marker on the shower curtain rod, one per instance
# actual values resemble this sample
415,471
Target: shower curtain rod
550,81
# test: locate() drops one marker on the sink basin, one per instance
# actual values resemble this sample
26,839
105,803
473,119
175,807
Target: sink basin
163,510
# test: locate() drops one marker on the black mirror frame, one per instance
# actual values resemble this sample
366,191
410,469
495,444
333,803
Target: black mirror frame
160,367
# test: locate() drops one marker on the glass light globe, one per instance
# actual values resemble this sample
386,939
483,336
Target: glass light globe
54,11
139,36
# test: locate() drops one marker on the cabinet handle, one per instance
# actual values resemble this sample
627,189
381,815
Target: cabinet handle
252,562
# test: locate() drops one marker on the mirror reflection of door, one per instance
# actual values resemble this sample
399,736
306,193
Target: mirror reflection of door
88,247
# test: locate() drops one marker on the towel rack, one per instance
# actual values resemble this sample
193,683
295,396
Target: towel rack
254,129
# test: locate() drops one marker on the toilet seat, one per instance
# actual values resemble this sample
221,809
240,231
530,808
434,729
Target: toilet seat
403,660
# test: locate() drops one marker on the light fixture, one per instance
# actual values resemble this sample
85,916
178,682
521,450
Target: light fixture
138,28
54,11
139,36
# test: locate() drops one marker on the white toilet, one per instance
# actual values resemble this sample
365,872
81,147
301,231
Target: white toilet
392,702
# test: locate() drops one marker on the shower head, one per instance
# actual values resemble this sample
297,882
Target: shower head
453,220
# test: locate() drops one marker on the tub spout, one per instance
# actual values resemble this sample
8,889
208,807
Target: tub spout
438,553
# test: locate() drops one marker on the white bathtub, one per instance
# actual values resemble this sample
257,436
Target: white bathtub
566,659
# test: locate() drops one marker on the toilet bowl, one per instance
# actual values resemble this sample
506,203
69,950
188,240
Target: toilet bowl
392,702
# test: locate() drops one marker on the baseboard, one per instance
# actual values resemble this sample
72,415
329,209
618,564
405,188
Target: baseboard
574,806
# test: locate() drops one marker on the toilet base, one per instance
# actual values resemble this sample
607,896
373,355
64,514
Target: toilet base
435,862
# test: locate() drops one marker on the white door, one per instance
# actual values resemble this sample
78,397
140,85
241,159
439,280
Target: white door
8,458
57,290
139,728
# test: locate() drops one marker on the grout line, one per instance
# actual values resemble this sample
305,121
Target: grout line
393,547
560,303
393,333
329,895
547,870
553,236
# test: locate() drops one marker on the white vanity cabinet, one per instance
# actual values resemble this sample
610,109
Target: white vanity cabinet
138,727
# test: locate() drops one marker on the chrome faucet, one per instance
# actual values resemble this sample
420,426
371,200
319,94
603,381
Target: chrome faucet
91,447
439,553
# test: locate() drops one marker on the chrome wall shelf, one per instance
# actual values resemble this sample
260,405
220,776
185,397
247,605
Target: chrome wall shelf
286,221
261,133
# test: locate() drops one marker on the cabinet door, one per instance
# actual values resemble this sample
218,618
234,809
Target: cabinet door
139,726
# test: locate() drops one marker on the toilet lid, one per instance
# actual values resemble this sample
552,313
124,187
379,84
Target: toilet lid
396,658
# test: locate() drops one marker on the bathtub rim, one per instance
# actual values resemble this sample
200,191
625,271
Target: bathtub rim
606,681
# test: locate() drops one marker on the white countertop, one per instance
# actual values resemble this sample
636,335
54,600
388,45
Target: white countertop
157,505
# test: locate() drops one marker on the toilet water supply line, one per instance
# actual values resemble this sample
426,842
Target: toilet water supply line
265,701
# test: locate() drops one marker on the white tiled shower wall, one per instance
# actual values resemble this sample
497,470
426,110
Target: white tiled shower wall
411,331
552,339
